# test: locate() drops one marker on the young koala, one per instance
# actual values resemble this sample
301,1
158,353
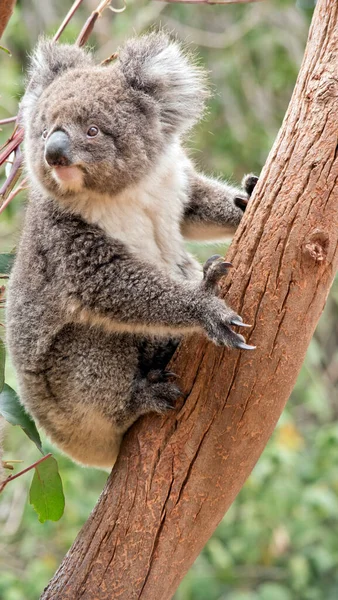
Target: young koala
103,288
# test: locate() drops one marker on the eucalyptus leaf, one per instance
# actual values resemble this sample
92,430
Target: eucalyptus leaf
46,492
5,50
12,410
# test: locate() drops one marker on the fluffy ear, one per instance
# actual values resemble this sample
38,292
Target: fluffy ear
158,66
48,61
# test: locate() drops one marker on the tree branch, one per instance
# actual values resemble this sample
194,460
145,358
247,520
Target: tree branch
32,466
176,476
6,10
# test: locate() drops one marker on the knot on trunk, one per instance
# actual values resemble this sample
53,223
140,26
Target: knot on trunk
316,247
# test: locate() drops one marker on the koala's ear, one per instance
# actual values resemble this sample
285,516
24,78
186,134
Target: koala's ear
157,66
48,61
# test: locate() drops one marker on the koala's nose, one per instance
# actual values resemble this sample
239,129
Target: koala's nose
57,149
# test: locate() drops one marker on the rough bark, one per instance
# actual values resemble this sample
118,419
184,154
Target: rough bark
176,476
6,9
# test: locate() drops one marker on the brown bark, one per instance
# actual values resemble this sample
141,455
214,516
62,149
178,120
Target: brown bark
6,9
176,476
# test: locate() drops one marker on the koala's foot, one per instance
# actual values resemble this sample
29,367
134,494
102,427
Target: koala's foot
248,184
156,393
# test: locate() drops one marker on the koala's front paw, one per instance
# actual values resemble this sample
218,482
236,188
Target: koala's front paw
213,270
217,317
218,322
248,184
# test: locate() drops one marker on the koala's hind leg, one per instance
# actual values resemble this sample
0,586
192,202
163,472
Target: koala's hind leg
154,393
95,388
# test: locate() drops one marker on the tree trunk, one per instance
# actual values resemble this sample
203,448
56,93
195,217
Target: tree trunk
176,476
6,9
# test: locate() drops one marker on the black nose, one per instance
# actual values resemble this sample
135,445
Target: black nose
57,149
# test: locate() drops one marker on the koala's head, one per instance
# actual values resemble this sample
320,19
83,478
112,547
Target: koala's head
102,128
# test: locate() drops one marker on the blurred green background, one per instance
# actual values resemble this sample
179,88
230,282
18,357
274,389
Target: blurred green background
279,539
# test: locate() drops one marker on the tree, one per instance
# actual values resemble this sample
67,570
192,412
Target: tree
176,476
6,10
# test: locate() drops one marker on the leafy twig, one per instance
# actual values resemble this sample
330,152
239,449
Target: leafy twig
11,477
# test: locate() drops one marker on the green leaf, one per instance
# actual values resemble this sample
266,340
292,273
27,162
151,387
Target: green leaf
12,410
46,493
2,364
6,263
5,50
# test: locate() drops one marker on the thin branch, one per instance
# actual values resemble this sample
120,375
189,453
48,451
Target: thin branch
89,24
11,477
66,20
14,175
8,120
22,186
12,143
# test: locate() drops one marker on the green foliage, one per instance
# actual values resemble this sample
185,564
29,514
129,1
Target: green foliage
46,493
12,410
3,49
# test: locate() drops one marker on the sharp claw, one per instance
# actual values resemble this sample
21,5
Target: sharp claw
168,374
239,323
214,257
223,267
210,260
244,346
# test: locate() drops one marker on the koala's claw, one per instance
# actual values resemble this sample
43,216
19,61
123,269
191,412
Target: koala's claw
213,270
160,376
244,346
239,322
218,324
169,375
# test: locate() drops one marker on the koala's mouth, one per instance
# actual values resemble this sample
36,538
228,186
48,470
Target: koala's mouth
71,176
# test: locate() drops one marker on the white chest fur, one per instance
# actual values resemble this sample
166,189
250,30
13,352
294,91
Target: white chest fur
147,217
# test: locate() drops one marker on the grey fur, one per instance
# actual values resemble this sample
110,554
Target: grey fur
93,316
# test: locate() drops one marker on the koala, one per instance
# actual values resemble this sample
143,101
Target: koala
103,288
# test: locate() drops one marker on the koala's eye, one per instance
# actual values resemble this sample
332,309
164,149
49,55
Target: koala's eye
44,133
92,131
